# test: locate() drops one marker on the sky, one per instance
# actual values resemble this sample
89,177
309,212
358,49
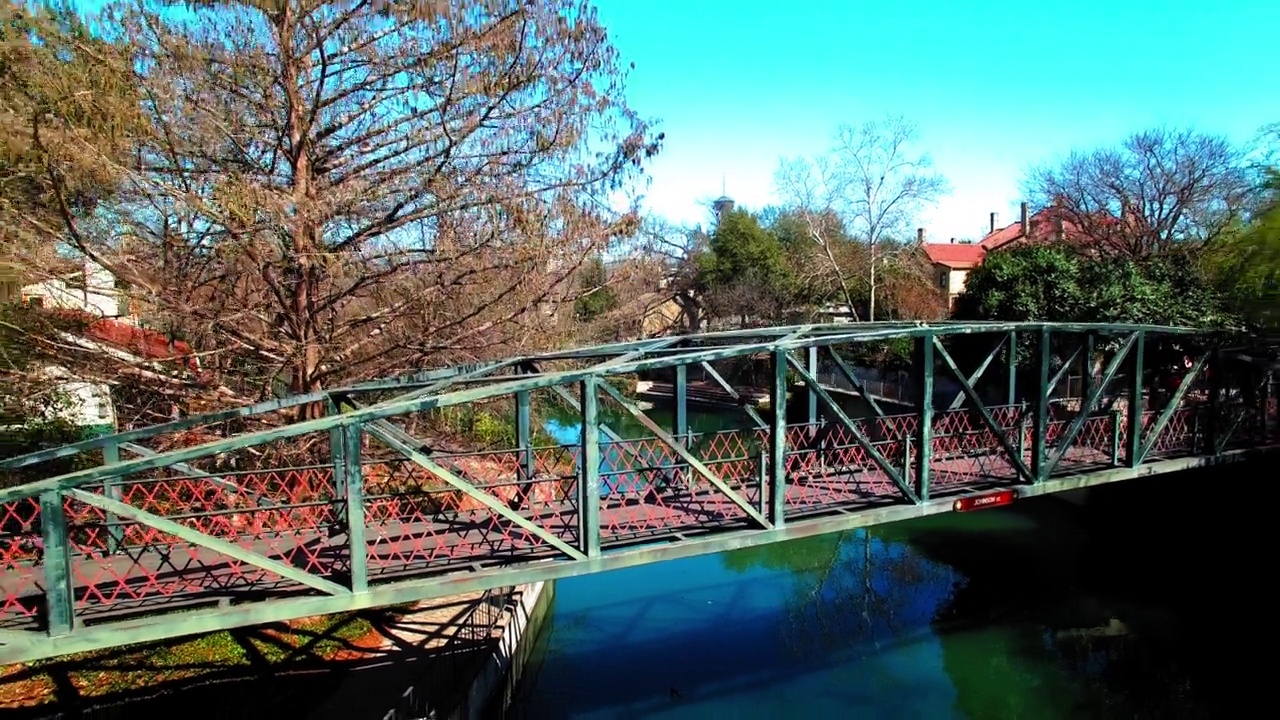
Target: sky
995,86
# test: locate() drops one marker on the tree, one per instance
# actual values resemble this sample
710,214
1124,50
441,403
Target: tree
1157,189
597,296
1056,283
332,191
743,272
69,108
1030,282
872,180
1246,265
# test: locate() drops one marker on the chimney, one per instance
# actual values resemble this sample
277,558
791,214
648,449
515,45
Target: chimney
993,222
953,241
1059,232
1026,221
920,235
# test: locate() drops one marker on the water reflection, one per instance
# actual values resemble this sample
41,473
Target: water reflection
999,614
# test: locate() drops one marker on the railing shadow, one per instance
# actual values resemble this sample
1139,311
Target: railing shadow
272,670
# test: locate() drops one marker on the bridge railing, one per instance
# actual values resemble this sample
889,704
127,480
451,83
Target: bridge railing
173,539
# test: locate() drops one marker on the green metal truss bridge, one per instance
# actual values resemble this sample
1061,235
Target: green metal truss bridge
246,516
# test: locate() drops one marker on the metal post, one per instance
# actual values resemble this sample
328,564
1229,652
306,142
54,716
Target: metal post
1012,367
589,486
1133,445
923,363
778,441
58,594
680,401
1086,374
1040,417
1211,422
1116,419
811,364
353,501
111,488
524,439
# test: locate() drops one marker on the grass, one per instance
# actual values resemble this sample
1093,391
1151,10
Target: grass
144,669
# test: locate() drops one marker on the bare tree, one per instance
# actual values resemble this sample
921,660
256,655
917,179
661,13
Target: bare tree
328,191
1157,189
673,249
872,179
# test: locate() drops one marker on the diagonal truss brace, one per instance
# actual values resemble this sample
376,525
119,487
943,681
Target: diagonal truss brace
857,384
1001,434
982,368
399,441
1077,423
195,537
678,448
1153,433
733,393
861,437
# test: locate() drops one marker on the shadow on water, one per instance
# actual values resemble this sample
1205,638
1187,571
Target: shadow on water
1120,606
1140,594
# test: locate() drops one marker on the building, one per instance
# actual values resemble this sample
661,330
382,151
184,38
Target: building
89,293
952,261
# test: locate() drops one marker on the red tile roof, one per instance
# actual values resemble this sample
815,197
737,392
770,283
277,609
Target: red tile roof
144,343
955,255
1043,228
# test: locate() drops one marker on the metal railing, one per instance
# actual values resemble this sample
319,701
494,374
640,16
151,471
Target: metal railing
440,691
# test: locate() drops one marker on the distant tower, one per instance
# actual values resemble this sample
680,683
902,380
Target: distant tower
723,204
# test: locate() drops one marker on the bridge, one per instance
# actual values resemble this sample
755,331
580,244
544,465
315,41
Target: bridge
252,515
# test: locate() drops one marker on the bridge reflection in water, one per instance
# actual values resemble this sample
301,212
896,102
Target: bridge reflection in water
200,525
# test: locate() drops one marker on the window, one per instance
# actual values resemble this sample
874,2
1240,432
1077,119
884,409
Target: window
942,279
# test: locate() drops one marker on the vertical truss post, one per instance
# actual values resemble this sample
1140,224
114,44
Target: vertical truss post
680,416
1133,443
1012,367
337,454
1117,419
778,441
1040,413
923,363
811,364
111,488
58,595
1086,371
524,436
589,485
353,504
1211,423
680,403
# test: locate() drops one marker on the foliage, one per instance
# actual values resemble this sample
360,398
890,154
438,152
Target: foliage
1056,283
68,108
1155,190
597,296
743,273
1246,265
1028,282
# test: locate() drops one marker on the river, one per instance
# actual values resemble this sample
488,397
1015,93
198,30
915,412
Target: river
1044,609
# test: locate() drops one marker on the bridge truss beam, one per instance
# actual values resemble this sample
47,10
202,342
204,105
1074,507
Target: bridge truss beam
244,516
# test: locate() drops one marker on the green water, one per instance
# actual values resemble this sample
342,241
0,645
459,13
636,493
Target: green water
994,614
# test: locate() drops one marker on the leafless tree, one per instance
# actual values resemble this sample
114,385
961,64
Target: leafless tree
672,248
1157,189
872,179
327,191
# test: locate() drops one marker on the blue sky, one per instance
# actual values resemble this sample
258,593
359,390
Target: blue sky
995,86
